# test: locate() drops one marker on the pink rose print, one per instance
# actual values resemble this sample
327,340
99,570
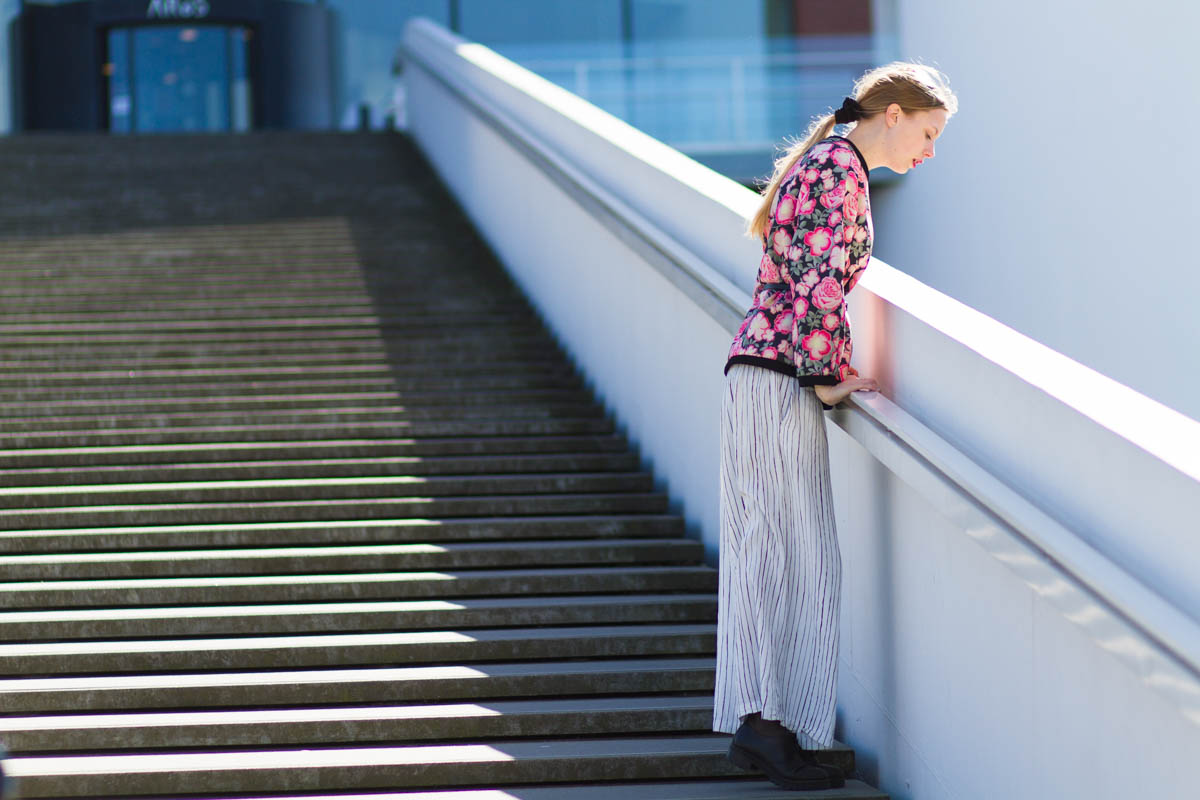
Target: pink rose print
834,219
833,198
785,210
827,295
811,176
767,271
850,207
770,352
860,234
802,289
783,323
850,185
795,253
842,157
803,195
807,206
759,326
819,241
811,277
818,345
831,322
800,306
848,232
780,240
837,259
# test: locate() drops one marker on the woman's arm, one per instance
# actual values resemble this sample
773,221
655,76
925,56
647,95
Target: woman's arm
832,395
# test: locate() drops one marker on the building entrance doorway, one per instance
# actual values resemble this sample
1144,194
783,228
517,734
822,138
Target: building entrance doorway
176,78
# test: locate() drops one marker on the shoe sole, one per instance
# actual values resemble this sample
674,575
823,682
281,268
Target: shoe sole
747,761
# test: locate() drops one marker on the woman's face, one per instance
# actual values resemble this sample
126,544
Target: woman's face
910,136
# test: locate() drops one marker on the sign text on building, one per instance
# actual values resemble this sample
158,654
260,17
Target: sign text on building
177,9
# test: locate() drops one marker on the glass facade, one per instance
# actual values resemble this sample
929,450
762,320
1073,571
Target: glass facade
167,78
710,77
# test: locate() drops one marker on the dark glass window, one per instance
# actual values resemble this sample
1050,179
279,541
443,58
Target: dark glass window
179,78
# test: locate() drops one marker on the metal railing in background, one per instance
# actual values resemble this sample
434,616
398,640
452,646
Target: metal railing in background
749,100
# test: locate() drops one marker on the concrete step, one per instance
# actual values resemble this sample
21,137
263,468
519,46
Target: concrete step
219,452
295,400
226,590
354,649
393,486
40,360
235,341
341,532
348,768
132,437
312,323
407,724
304,618
30,519
282,384
100,307
239,376
349,415
348,558
415,364
713,788
324,468
234,690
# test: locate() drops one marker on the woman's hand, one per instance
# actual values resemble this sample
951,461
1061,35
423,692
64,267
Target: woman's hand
832,395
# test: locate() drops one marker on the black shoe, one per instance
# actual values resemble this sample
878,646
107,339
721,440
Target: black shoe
780,759
836,775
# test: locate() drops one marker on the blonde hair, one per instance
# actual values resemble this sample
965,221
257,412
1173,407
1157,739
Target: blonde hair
914,87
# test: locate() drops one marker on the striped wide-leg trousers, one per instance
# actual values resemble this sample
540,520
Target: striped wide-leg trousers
780,566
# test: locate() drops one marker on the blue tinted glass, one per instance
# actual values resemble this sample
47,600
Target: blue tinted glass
369,35
528,21
181,80
240,98
116,70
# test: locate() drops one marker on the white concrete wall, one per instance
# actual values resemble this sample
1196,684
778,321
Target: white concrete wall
1020,614
959,681
1063,194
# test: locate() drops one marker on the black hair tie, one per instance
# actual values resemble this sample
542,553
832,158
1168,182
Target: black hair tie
849,112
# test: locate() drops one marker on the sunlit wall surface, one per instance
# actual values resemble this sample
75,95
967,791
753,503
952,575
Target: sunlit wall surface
1058,187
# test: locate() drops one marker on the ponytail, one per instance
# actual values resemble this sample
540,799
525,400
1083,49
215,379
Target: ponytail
820,128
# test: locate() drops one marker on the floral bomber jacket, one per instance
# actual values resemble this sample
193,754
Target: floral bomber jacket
817,245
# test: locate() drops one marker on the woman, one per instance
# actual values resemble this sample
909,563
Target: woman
780,567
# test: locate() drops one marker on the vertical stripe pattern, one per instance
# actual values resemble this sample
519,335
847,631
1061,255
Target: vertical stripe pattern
780,565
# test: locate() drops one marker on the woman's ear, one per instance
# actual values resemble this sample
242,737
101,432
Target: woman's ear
892,114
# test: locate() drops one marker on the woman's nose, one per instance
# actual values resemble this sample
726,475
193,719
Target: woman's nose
929,151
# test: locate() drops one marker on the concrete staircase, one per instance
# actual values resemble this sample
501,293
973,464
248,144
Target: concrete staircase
299,498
